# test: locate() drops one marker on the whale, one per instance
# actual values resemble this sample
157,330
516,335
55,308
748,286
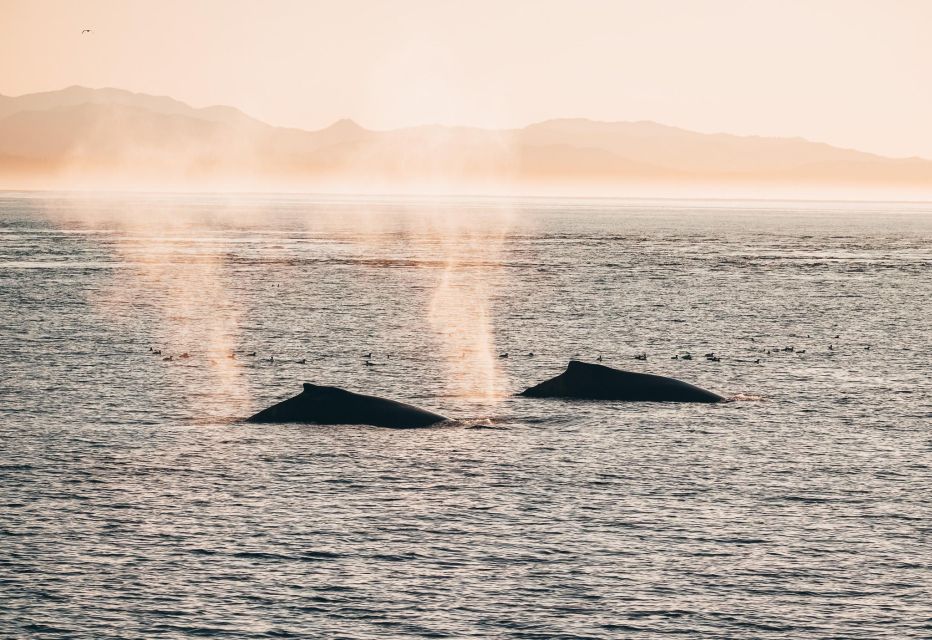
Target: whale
319,404
597,382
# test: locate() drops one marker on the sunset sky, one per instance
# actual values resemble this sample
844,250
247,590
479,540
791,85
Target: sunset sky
852,73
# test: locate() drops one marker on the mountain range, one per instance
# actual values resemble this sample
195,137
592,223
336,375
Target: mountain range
88,138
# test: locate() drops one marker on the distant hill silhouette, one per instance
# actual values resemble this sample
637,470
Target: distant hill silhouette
92,137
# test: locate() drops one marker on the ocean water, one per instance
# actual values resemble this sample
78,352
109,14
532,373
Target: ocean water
136,503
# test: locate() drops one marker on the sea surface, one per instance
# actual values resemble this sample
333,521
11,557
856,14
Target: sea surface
136,503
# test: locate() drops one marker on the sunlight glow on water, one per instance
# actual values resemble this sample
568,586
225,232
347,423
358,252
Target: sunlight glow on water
134,503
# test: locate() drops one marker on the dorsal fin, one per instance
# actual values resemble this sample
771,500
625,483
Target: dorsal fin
318,389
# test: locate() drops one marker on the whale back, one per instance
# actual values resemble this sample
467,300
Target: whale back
319,404
597,382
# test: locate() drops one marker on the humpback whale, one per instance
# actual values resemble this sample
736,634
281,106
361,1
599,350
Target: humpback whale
332,405
597,382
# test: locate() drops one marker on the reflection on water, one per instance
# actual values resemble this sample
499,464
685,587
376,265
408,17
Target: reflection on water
133,503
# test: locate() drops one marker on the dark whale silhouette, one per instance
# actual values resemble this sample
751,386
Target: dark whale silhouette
597,382
332,405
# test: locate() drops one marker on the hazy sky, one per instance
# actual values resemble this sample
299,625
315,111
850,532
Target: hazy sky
854,73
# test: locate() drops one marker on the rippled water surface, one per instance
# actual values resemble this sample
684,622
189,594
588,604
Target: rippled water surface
135,503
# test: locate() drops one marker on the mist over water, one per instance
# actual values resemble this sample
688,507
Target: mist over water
134,503
460,311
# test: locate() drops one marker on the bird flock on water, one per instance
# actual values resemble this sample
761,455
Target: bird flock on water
368,359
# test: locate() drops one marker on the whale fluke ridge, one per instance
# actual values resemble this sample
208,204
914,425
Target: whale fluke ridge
597,382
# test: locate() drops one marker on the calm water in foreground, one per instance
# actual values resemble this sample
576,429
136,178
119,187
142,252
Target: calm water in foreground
135,503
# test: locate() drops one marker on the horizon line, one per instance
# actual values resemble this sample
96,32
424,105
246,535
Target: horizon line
434,196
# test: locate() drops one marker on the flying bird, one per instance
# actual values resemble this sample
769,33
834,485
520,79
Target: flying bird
85,31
